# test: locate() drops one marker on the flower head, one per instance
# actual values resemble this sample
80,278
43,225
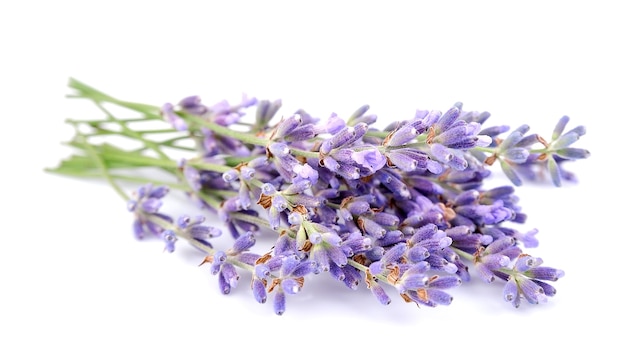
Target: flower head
145,204
403,206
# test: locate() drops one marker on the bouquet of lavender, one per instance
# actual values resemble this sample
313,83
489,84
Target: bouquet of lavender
401,207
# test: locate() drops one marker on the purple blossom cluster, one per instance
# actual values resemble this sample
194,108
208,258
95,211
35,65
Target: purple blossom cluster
401,208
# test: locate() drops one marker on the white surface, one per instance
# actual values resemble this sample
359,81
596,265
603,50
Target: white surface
77,288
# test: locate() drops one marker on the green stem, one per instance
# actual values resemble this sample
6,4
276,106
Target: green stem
135,160
415,145
251,219
152,111
96,122
539,151
209,199
98,96
142,180
333,205
133,134
234,161
208,166
105,172
463,254
363,268
157,131
304,153
358,266
224,131
117,177
170,144
485,149
377,134
179,232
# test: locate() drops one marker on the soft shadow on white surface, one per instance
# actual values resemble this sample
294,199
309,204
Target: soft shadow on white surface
78,288
93,286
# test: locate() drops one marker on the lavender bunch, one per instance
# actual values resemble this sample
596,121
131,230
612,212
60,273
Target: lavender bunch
399,208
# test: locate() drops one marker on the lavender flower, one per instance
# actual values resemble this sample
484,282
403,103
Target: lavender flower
527,281
170,116
404,206
222,261
518,160
170,239
192,228
289,281
145,205
193,105
369,160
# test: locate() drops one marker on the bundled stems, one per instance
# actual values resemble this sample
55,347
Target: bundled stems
402,206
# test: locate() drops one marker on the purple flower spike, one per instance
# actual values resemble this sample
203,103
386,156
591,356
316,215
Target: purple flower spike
305,172
377,267
525,262
279,149
405,204
223,284
448,119
371,227
402,135
548,289
439,263
568,138
230,274
138,229
336,272
444,282
201,232
337,255
417,254
151,205
290,286
279,302
193,228
193,105
408,160
511,293
394,254
358,113
145,206
286,126
573,153
219,257
334,124
262,271
192,176
438,297
185,221
545,273
244,242
532,292
560,126
411,281
258,291
170,116
380,293
356,205
266,110
304,268
490,264
394,183
352,277
170,239
342,137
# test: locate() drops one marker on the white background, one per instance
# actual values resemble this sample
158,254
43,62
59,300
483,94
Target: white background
76,287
